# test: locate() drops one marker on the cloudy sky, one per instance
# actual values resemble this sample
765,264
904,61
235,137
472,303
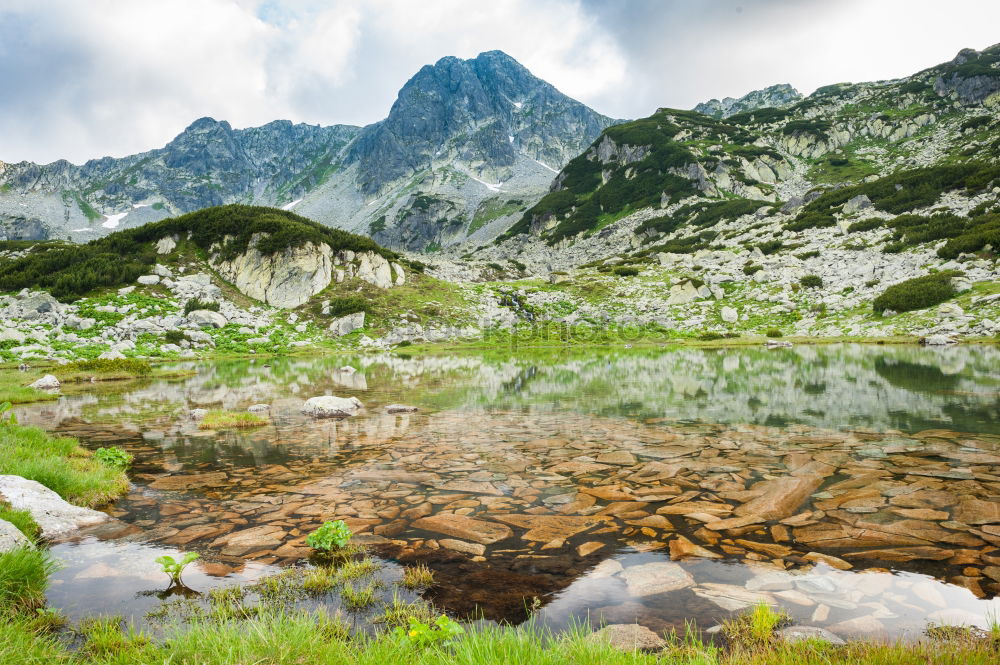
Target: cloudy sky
87,78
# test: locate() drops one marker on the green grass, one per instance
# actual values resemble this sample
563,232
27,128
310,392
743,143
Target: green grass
301,638
231,420
24,576
12,390
105,366
22,519
60,464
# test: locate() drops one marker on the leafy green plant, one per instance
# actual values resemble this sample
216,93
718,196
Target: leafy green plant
197,304
115,457
625,271
442,631
811,281
175,568
752,269
7,416
330,536
774,332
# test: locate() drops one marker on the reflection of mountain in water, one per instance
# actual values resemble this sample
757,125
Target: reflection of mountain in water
843,386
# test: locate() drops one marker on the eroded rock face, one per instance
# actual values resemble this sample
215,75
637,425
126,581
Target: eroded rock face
56,517
284,279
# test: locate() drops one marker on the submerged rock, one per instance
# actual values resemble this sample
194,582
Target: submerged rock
331,406
55,516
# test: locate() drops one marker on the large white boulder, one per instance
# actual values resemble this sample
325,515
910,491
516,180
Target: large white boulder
346,324
730,315
47,382
284,279
206,318
56,517
331,406
11,537
148,280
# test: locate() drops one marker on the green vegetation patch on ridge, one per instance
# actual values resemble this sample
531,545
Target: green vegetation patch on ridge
917,293
120,258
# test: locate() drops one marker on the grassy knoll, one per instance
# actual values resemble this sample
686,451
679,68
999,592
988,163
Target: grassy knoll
231,420
60,464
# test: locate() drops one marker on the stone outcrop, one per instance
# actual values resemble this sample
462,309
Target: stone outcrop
284,279
11,537
56,517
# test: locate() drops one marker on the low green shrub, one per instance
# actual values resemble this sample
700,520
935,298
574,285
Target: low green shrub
917,293
197,304
770,247
807,255
347,305
174,337
811,281
774,332
625,271
752,269
866,225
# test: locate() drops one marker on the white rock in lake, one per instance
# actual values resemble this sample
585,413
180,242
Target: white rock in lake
55,516
47,382
331,406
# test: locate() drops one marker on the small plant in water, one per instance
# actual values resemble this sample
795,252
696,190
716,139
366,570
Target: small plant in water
175,568
329,537
442,630
355,599
114,457
416,577
756,626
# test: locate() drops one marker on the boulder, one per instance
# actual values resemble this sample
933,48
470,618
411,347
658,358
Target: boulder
283,279
56,517
649,579
803,633
11,537
258,408
781,497
47,382
148,280
331,406
347,324
206,318
937,340
400,408
166,244
683,293
730,315
857,204
628,637
111,355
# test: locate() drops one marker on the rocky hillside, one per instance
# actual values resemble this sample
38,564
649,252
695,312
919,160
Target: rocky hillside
774,96
467,144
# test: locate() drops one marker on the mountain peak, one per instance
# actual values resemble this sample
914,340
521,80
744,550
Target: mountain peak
781,94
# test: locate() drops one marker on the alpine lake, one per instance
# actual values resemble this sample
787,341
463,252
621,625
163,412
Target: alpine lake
855,486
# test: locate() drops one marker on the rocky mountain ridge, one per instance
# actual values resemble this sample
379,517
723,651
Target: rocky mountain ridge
774,96
466,143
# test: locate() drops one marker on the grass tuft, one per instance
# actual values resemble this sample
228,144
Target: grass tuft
231,420
416,577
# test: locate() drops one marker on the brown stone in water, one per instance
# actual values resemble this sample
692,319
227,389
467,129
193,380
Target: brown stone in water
688,507
734,523
249,540
655,521
780,533
617,457
925,498
197,532
422,510
781,497
466,528
832,561
921,513
543,528
462,546
621,507
682,548
902,554
976,511
770,549
585,549
608,493
169,509
835,536
184,482
576,468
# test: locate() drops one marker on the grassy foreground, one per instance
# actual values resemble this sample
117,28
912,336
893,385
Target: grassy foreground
307,638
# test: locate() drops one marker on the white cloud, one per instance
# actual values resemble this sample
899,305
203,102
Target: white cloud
84,79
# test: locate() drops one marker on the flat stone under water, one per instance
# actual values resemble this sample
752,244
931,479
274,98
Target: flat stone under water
856,487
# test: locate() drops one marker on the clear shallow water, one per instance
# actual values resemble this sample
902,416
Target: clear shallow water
584,470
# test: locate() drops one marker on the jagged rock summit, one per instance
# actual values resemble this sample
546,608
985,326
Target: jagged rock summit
467,144
777,96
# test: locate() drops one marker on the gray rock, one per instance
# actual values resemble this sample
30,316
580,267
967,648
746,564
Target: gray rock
400,408
331,406
11,335
111,355
857,204
730,315
347,324
11,537
56,517
258,408
148,280
166,244
937,340
206,318
198,414
802,633
649,579
628,637
47,382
